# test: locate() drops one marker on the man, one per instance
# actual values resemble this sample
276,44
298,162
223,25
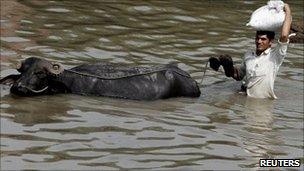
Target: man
260,67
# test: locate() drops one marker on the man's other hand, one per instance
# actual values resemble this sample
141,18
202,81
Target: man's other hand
214,63
227,63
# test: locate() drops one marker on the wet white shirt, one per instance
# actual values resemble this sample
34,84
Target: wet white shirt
261,70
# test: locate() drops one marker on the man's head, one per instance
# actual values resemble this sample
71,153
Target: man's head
263,40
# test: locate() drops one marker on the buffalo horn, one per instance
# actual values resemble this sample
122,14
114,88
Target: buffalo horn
19,66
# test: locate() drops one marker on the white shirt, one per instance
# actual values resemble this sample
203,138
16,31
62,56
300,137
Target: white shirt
261,70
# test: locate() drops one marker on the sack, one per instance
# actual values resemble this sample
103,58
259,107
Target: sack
269,17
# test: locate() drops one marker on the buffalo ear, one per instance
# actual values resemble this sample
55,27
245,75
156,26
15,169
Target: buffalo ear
10,79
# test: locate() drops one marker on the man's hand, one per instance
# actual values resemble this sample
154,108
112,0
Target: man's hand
225,61
214,63
286,7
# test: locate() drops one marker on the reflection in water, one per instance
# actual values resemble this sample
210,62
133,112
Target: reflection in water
34,110
219,130
253,121
259,113
261,136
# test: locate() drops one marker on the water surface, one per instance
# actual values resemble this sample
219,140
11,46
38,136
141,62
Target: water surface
221,129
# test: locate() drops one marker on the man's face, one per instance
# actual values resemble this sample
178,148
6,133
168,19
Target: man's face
262,43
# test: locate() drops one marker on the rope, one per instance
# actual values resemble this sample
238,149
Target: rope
121,77
205,69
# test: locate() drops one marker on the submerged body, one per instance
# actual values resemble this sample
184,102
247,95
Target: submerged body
139,83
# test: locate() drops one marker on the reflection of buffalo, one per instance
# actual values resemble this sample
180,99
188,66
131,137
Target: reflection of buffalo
39,76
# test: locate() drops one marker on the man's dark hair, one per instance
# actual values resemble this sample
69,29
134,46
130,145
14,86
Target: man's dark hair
269,34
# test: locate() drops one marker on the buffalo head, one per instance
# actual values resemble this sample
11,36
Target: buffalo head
34,77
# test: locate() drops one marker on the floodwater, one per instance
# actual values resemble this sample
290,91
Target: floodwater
221,129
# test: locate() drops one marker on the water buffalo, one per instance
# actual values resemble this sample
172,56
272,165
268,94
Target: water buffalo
40,77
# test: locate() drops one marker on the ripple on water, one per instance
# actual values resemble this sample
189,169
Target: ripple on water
59,10
24,32
142,8
55,38
14,39
219,130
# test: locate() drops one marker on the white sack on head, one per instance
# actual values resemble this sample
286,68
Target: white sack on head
269,17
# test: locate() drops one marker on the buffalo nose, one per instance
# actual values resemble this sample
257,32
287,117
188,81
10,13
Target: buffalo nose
18,89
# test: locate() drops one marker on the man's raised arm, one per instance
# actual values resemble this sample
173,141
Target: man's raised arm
286,24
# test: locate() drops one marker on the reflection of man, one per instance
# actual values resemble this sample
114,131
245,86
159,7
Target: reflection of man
259,117
259,68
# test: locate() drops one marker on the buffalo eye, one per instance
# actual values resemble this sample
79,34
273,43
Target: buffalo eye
40,74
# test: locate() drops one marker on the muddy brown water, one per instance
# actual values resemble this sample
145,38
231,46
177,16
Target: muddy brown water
221,129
